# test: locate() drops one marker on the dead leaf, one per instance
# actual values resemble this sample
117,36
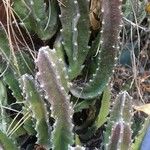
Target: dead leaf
144,108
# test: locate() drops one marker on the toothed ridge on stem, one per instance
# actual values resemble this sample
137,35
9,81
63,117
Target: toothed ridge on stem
49,78
119,123
76,33
39,111
120,137
108,51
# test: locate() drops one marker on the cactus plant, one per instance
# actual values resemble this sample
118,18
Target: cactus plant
39,17
56,61
36,104
51,81
107,54
119,124
118,134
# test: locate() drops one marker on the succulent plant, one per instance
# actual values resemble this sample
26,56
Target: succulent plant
55,70
118,134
